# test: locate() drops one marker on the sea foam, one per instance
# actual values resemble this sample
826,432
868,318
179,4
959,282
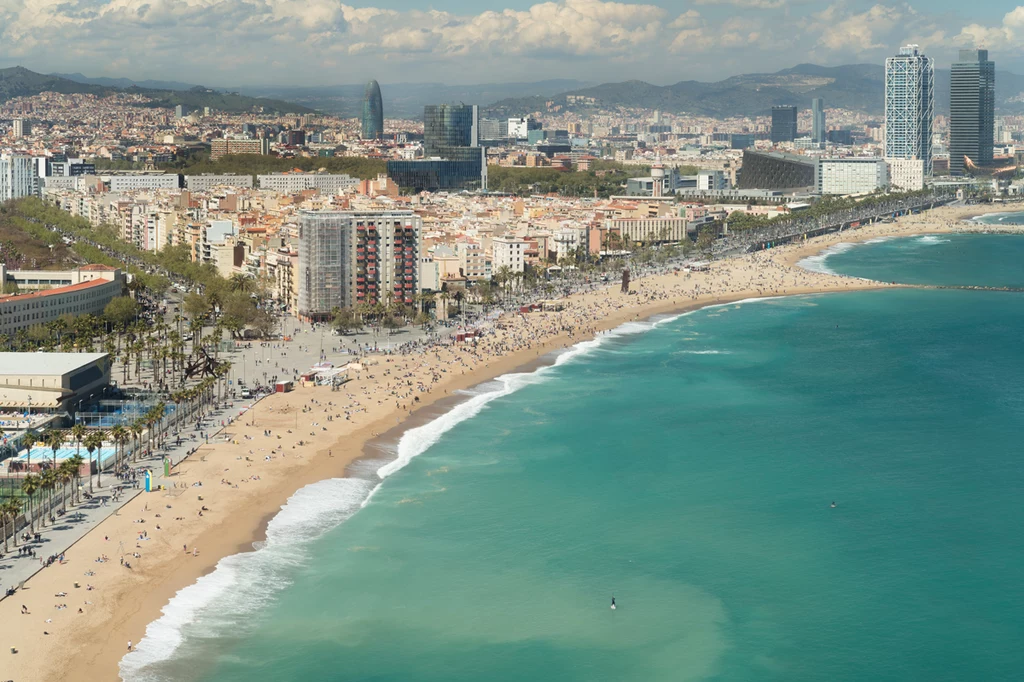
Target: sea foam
817,262
241,584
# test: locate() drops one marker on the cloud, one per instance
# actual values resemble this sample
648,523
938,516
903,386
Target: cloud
750,4
331,41
1007,36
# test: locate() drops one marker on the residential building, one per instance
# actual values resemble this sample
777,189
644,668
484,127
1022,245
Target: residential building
971,111
20,128
17,177
909,106
219,148
372,121
783,124
350,257
508,252
473,261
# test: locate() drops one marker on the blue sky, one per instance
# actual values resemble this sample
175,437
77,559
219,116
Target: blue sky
325,42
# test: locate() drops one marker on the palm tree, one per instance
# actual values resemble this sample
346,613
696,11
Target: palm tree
66,475
75,467
9,511
48,482
29,486
78,432
93,442
54,439
120,436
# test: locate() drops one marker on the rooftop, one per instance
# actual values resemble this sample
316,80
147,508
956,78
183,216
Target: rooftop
44,364
71,288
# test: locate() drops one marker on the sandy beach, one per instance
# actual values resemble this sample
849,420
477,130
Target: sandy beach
226,492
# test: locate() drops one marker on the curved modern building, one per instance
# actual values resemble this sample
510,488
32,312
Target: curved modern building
373,112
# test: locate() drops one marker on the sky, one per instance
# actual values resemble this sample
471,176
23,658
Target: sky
328,42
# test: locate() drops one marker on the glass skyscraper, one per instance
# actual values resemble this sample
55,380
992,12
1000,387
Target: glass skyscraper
450,125
783,124
451,145
373,112
817,120
909,106
972,100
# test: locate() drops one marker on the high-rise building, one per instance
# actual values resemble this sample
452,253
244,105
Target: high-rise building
180,111
20,128
909,106
450,125
373,113
451,143
817,120
18,177
350,257
783,124
972,86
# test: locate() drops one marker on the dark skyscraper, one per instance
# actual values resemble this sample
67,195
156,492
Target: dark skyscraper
972,99
817,120
449,125
373,112
783,124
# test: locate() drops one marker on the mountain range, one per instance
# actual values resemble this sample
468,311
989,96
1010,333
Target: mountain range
857,87
21,82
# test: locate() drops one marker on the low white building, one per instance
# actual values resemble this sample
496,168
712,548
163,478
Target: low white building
906,174
326,183
21,311
508,252
710,180
208,181
851,175
126,181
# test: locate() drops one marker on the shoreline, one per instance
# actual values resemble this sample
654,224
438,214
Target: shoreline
94,652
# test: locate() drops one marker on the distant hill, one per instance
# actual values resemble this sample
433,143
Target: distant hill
125,82
406,100
20,82
858,87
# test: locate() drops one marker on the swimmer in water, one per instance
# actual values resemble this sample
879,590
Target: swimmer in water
613,602
833,506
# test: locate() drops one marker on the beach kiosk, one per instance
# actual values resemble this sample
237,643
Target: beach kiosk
149,482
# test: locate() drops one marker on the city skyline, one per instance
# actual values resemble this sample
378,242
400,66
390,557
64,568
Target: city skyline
287,43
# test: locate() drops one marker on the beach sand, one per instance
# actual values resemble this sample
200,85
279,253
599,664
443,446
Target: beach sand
242,494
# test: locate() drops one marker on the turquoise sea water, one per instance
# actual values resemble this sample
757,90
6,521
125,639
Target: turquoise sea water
687,468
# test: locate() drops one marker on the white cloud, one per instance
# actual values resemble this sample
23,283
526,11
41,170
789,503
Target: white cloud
329,41
1007,36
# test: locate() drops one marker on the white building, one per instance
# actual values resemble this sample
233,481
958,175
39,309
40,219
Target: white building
906,174
708,180
326,183
566,241
508,252
208,181
127,181
17,177
22,311
648,230
851,175
21,128
909,106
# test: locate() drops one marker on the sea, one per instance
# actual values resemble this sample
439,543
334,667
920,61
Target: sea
811,488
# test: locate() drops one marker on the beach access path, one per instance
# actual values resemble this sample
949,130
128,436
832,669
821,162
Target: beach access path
219,500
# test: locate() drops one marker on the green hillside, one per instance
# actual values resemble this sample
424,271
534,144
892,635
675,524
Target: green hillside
20,82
